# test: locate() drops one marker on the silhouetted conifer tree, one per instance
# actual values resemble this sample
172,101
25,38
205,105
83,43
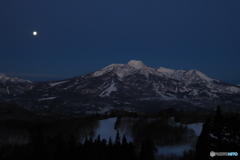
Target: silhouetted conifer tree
110,142
117,140
86,140
124,140
218,118
148,150
98,138
218,135
203,143
72,147
117,123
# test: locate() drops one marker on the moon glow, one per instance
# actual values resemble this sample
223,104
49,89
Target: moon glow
34,33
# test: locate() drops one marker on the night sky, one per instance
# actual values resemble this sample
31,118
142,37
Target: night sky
80,36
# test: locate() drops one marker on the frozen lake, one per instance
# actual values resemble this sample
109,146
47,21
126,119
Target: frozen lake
197,127
106,130
177,150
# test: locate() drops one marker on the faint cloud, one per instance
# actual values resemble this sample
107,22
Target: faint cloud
33,75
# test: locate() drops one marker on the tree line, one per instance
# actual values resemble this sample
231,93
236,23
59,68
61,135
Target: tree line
57,148
220,133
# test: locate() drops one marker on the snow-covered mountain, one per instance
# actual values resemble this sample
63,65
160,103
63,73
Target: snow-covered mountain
12,80
135,78
132,82
12,85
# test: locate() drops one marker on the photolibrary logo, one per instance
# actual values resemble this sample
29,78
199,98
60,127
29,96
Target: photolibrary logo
212,154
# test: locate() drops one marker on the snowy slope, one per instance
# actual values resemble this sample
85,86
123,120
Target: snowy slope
5,79
107,91
134,81
12,86
105,70
168,79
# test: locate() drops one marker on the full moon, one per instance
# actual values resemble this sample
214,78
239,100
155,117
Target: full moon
34,33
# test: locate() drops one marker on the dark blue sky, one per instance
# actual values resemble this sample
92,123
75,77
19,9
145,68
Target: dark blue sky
80,36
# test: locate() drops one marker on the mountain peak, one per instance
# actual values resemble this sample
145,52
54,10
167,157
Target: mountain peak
4,78
190,74
2,75
136,64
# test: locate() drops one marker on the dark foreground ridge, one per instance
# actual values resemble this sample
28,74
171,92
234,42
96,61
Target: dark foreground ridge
59,139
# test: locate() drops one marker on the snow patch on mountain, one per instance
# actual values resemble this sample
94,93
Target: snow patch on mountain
57,83
212,95
111,88
193,93
48,98
234,89
157,88
69,86
184,89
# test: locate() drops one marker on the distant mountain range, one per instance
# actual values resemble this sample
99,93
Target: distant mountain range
122,85
12,86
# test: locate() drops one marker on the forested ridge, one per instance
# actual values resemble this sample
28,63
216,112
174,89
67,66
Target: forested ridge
57,148
60,139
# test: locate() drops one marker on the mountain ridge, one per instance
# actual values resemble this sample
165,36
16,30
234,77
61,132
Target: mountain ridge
130,83
5,79
12,85
181,75
187,77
